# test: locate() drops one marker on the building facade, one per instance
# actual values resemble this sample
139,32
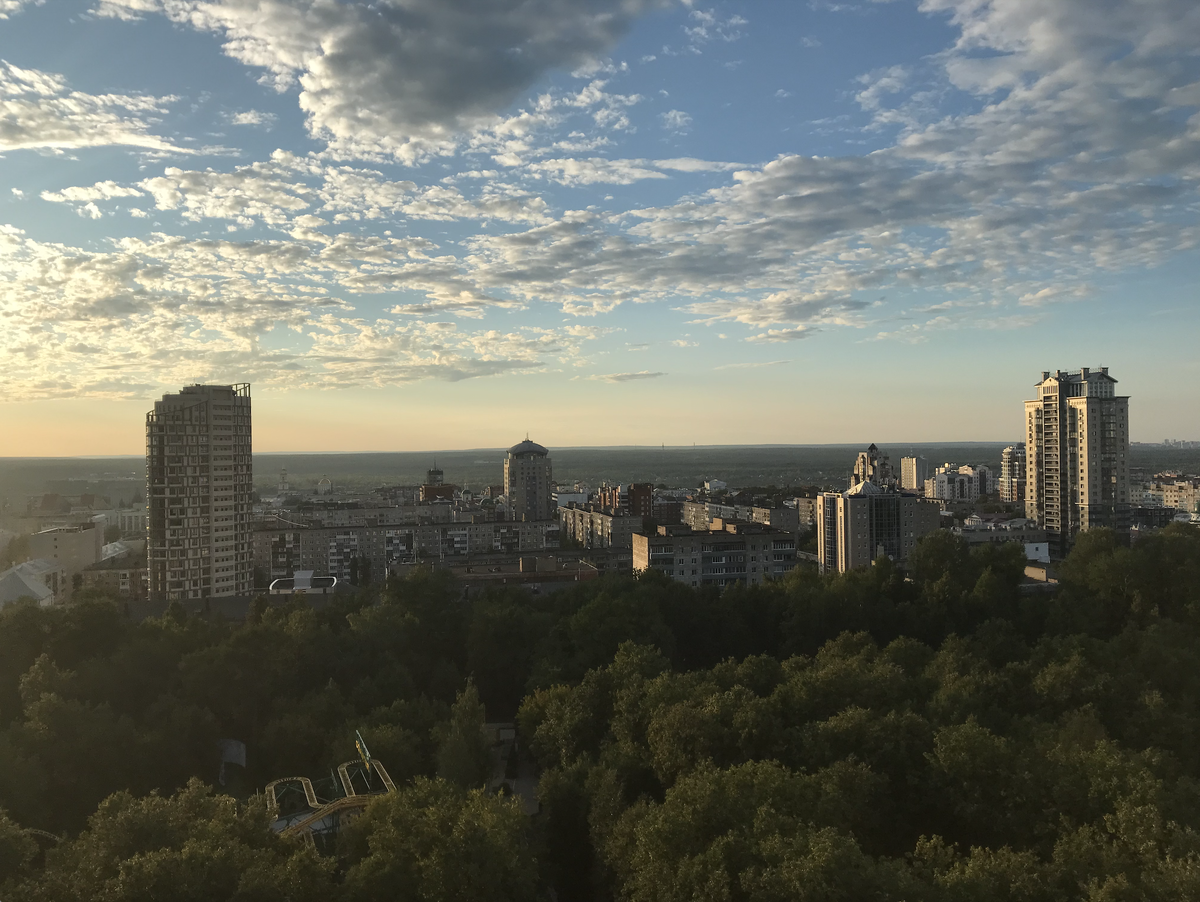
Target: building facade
868,522
593,528
873,466
529,482
282,549
1077,456
728,554
954,483
913,473
199,489
1012,474
71,547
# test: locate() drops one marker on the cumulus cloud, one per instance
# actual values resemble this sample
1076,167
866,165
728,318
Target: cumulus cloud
1078,157
99,191
676,120
251,117
406,79
39,111
12,7
167,310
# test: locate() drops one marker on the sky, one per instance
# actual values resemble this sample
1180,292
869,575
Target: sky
424,224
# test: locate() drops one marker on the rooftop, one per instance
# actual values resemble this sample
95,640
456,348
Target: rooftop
527,447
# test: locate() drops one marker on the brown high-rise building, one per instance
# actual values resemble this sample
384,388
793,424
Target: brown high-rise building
1077,456
199,493
529,482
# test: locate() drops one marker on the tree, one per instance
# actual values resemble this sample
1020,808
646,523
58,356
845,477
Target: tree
463,750
17,851
189,847
433,841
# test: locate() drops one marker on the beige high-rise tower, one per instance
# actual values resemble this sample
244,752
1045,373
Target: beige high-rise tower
1077,456
199,488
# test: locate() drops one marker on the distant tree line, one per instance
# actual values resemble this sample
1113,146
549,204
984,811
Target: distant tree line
933,735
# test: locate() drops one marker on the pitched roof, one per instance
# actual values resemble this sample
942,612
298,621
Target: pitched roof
15,585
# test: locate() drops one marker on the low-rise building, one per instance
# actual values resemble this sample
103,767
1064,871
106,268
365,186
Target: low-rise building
1021,530
727,554
41,580
122,575
282,549
785,519
71,547
132,522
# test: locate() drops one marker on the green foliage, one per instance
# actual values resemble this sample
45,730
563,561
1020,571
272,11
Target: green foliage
433,841
936,734
463,751
190,846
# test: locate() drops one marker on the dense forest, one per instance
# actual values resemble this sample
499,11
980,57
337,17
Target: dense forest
935,735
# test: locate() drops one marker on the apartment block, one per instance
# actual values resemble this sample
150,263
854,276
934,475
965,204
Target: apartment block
913,473
591,527
1012,474
199,486
280,550
1077,456
867,522
729,554
951,482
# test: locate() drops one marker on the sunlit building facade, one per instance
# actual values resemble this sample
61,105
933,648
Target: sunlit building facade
1077,456
199,493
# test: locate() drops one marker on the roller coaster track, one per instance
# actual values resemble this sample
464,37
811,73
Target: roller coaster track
358,802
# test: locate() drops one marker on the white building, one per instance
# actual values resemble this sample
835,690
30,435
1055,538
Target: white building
199,486
913,473
1012,474
951,482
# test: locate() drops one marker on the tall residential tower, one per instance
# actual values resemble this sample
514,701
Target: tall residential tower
1077,456
199,487
529,482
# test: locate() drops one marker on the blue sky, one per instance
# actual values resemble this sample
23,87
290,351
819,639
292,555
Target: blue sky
426,224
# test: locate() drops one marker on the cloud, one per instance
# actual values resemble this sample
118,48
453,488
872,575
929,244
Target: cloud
39,111
167,310
251,117
594,170
676,120
404,79
691,164
626,377
751,365
774,336
98,191
12,7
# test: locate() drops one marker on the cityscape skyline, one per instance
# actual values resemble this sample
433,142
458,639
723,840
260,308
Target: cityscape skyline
845,222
